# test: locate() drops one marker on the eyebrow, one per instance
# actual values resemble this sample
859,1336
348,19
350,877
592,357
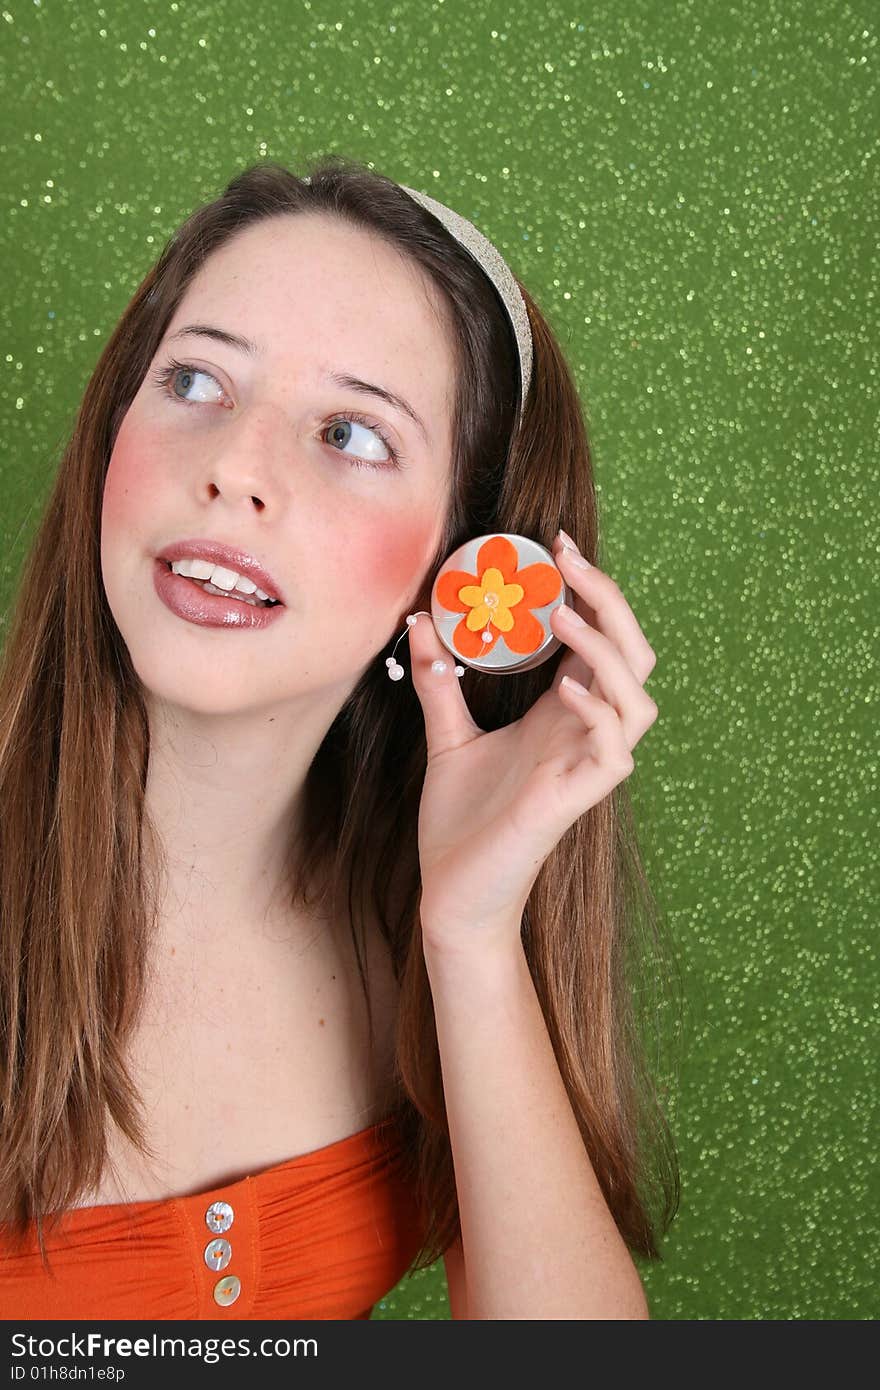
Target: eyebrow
343,379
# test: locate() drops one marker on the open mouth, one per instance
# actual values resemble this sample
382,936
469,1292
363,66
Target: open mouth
228,593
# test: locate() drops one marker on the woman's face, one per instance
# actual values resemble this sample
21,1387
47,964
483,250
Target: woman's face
267,457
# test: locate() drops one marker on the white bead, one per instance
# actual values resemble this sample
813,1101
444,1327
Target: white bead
459,670
412,619
395,672
389,661
438,666
486,636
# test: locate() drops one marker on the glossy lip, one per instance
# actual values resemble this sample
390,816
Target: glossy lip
229,556
190,602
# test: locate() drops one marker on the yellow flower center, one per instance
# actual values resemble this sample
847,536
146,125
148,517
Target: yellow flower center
490,601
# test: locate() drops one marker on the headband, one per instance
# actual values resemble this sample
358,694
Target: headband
496,268
498,272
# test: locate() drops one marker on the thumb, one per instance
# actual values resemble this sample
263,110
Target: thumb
448,722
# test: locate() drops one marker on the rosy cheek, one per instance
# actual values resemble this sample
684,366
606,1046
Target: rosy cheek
388,561
128,488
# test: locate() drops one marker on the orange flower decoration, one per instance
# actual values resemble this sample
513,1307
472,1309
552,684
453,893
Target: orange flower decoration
498,596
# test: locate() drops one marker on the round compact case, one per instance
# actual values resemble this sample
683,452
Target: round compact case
491,603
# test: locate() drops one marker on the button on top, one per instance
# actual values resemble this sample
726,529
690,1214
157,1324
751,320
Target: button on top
218,1253
227,1289
219,1217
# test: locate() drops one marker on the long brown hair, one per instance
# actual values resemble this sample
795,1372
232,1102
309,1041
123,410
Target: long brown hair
77,907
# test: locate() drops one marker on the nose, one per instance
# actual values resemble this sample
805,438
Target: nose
247,462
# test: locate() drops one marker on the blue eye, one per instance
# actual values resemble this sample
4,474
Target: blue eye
176,370
165,377
343,423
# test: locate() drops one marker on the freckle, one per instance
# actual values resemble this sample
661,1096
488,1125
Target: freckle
174,950
321,1021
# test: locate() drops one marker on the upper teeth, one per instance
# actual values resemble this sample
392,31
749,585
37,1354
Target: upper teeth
218,576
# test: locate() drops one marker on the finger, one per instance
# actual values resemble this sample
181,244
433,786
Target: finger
617,685
448,721
604,760
601,603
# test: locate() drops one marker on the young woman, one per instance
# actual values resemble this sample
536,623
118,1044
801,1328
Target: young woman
309,977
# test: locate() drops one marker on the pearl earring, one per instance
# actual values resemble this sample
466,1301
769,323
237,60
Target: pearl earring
395,670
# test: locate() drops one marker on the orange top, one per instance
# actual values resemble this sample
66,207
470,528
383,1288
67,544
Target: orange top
323,1235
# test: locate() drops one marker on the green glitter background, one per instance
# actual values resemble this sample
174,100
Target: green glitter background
689,191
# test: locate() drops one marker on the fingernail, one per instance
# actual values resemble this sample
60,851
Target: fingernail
576,558
567,538
569,615
574,685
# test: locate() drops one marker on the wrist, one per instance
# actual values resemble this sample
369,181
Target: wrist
491,944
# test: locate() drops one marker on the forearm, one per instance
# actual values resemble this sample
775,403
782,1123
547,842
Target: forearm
539,1240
